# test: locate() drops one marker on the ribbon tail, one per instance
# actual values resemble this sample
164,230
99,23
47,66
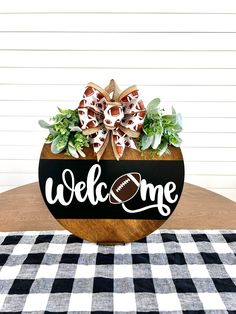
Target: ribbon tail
99,141
102,149
130,143
118,143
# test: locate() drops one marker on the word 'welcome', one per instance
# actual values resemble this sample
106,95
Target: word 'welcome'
96,191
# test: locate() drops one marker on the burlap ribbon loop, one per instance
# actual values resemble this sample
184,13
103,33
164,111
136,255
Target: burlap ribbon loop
119,117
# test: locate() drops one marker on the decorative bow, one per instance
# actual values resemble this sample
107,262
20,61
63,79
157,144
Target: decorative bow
120,117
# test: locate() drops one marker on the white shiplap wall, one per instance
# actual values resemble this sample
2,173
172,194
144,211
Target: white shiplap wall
181,51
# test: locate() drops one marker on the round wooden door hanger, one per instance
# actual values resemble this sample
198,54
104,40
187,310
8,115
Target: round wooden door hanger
110,201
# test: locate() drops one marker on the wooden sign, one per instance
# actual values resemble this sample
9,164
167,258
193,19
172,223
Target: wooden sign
111,201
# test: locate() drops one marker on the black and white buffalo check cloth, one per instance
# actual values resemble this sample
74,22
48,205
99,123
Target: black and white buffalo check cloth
170,271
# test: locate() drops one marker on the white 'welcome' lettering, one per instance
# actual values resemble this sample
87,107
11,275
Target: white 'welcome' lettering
96,191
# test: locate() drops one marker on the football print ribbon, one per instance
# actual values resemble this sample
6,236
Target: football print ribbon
119,118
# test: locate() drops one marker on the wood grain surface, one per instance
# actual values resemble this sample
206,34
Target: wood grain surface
23,209
129,154
113,230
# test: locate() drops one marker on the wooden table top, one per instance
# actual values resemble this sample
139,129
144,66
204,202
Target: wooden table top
23,209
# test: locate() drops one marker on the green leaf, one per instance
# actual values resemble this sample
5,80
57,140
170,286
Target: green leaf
64,128
146,141
175,140
44,124
173,110
74,128
72,150
156,140
53,132
169,119
60,110
63,141
152,106
160,129
151,126
55,149
179,121
49,139
80,140
82,154
162,148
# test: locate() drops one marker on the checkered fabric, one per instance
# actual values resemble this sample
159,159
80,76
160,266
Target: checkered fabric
170,271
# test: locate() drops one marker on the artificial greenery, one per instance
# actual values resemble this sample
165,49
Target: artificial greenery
65,134
160,129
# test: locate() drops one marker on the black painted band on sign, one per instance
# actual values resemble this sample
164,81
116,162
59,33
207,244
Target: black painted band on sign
128,189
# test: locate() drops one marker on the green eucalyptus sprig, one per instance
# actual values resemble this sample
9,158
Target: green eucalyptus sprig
160,129
65,134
